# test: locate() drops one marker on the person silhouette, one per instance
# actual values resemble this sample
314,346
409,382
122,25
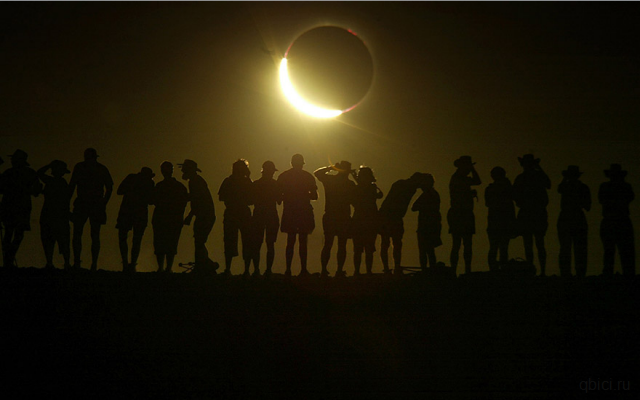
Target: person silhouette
336,221
94,188
366,221
392,211
530,195
170,198
235,192
462,224
56,213
298,188
19,183
265,221
136,191
616,229
202,208
429,222
572,223
501,217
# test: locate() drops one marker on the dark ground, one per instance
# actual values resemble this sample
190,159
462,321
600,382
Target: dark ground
108,335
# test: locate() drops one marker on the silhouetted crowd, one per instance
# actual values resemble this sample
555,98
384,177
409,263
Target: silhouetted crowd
295,189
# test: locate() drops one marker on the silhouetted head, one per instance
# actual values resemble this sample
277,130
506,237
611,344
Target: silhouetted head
343,167
166,169
365,175
615,172
19,158
59,168
427,181
528,161
416,179
297,161
464,163
90,154
189,168
147,173
498,173
572,172
268,168
240,168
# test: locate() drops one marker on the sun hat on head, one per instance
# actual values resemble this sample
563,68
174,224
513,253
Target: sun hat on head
147,172
528,159
20,156
190,165
615,171
59,165
572,171
463,161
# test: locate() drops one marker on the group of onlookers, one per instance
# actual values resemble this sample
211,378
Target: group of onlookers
295,188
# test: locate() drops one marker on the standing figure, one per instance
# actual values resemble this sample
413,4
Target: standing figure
235,192
572,223
19,183
170,198
202,209
366,221
429,222
297,187
55,214
265,221
392,211
462,222
616,229
136,191
336,221
501,217
530,194
95,186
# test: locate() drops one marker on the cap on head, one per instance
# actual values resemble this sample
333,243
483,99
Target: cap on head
147,172
343,166
189,166
269,166
90,154
59,166
297,160
19,157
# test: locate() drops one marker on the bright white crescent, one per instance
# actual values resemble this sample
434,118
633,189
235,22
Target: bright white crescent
297,101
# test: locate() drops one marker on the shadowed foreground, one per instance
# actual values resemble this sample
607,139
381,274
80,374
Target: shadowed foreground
180,336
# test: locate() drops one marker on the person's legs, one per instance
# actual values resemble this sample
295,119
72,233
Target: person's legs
358,248
564,256
291,242
580,252
325,255
7,245
138,233
303,253
78,228
542,253
95,244
467,253
385,242
397,251
124,248
503,244
48,243
527,241
455,250
626,246
492,256
342,252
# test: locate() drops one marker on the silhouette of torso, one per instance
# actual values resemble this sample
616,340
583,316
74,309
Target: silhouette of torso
460,191
56,199
396,203
296,186
235,191
615,197
19,184
338,195
91,180
576,196
530,190
170,198
136,191
498,198
428,207
265,196
200,196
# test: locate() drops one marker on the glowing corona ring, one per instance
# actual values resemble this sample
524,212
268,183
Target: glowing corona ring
300,103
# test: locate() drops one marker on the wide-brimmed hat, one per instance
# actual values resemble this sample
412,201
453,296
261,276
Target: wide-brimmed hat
615,171
147,172
19,156
190,165
269,166
343,166
59,165
572,171
528,159
463,161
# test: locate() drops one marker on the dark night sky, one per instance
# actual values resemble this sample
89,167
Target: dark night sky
145,82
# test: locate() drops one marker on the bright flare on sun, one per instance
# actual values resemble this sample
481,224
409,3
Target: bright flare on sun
297,101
